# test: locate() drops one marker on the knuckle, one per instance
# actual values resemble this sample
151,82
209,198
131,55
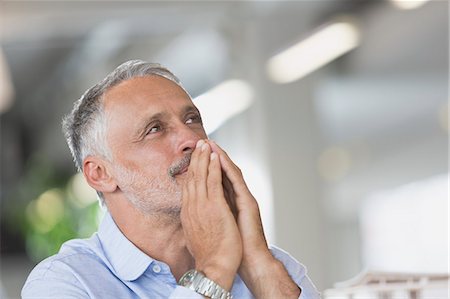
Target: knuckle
198,179
190,175
214,188
213,182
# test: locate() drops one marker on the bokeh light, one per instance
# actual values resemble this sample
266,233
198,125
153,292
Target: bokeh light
334,163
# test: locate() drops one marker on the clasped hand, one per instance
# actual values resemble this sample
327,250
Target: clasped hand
221,242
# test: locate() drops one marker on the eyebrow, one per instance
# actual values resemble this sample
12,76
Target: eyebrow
190,108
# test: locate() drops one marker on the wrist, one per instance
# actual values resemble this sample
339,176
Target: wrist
223,276
258,265
267,277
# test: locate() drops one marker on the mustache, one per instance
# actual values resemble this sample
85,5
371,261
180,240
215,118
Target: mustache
178,166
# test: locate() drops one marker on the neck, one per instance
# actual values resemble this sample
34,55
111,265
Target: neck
159,236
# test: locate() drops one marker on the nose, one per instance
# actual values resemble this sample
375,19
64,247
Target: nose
187,139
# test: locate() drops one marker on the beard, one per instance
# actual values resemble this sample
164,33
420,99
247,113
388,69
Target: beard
155,196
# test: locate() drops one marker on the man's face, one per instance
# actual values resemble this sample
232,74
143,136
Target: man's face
152,129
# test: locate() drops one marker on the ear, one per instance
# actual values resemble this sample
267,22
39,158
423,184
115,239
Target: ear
98,175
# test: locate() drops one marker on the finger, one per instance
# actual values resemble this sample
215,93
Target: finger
215,189
242,197
229,193
184,203
201,171
189,190
226,183
192,169
184,195
233,172
195,156
186,215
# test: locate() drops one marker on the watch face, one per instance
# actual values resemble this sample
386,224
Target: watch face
187,278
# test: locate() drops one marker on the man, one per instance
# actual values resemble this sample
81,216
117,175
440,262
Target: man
180,221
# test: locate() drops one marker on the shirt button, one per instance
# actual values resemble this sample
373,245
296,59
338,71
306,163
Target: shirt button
156,268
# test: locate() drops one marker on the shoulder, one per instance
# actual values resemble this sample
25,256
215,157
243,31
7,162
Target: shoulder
65,273
72,255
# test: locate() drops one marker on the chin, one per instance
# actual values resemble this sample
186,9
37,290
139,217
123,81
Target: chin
163,204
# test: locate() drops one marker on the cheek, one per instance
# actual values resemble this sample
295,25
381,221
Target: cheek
150,163
151,157
154,163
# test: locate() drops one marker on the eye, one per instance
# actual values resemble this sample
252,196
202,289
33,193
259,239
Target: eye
154,129
192,119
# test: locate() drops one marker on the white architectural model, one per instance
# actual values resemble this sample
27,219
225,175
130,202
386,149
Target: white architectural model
384,285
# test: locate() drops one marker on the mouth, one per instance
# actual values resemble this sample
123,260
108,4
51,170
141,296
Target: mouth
182,171
181,167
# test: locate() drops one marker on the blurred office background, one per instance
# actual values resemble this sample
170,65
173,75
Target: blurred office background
337,112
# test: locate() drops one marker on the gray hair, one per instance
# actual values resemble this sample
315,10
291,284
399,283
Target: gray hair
85,126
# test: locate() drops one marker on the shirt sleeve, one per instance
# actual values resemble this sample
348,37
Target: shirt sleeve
297,271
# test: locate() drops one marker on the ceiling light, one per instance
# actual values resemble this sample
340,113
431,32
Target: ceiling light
6,87
443,117
408,4
223,102
314,52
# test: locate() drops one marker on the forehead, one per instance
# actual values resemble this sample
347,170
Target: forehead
144,92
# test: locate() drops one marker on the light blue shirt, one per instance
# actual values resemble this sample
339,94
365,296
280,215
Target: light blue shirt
108,265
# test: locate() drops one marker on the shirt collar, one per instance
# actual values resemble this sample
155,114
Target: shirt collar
127,261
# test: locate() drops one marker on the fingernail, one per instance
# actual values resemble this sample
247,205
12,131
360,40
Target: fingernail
200,143
204,146
213,156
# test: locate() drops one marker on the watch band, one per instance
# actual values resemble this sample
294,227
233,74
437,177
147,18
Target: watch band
198,282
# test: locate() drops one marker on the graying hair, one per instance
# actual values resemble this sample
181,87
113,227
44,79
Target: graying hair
85,126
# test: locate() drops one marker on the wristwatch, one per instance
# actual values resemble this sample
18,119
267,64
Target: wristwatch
198,282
